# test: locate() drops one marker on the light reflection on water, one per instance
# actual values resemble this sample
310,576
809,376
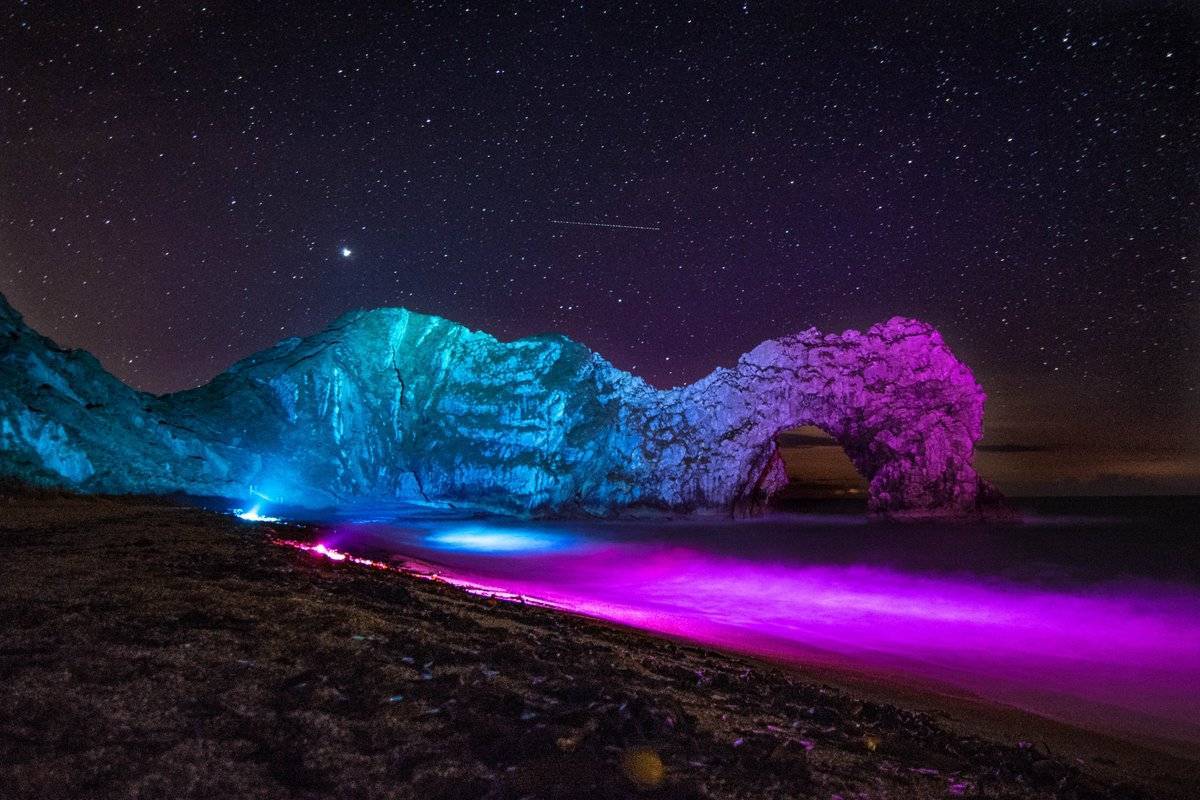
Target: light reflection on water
485,539
1057,617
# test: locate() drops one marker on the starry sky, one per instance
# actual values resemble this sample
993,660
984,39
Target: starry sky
182,184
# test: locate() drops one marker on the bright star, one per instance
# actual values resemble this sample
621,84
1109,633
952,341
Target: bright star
346,252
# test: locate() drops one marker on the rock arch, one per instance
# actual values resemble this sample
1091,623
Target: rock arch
389,405
904,409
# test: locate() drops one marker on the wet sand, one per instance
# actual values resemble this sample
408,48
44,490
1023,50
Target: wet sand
152,650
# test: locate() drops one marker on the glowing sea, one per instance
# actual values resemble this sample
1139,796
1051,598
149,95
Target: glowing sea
1087,611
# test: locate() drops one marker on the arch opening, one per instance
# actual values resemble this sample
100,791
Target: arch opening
819,473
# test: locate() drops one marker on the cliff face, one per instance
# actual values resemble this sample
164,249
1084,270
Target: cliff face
65,420
388,405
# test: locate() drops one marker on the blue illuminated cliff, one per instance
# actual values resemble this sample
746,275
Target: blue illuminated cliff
390,405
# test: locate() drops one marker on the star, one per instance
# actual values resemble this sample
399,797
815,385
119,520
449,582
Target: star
792,188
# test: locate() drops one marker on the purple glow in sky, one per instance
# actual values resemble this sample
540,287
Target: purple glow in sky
184,189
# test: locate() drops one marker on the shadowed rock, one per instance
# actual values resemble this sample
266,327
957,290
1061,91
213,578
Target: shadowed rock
389,405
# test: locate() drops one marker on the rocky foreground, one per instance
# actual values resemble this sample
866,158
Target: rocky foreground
156,651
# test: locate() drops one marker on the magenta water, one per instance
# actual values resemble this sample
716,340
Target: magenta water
1091,617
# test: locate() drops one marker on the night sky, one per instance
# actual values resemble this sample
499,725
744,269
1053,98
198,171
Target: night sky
180,184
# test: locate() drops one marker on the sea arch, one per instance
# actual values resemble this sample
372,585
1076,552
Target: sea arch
906,412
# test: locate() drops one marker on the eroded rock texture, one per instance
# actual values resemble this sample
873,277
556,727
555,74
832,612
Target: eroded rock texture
389,405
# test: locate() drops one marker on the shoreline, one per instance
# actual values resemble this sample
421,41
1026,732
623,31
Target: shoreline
149,640
983,715
831,667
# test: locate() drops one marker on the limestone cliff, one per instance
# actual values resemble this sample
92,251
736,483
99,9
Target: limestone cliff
390,405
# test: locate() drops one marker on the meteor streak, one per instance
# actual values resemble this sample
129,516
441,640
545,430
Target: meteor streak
602,225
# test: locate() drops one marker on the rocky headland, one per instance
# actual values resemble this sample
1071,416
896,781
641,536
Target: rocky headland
394,406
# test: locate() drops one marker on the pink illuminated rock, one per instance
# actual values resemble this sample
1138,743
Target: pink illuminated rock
904,409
